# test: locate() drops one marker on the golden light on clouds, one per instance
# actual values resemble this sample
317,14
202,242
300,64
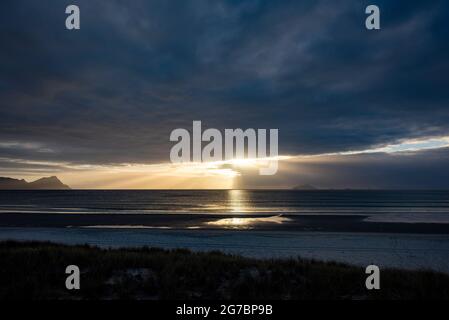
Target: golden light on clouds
193,175
189,175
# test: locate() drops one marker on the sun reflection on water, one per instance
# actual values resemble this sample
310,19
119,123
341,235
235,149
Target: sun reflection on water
246,223
237,201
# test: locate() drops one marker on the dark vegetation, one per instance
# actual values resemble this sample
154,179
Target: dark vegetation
34,270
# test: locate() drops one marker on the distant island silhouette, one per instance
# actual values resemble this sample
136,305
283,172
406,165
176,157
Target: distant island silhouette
305,187
46,183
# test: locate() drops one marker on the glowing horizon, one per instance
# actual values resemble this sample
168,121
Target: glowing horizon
193,175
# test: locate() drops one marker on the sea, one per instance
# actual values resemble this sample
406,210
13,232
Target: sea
391,228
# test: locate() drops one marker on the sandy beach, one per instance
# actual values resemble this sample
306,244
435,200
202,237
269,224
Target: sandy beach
407,251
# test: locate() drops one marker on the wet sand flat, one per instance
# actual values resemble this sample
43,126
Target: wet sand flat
321,223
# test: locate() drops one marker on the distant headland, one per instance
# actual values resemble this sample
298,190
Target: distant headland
305,187
47,183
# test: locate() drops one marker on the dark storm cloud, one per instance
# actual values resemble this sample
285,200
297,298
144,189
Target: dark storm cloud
413,170
113,91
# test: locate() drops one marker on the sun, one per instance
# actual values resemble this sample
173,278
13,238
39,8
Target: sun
243,162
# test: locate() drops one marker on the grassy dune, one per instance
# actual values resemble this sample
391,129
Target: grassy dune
34,270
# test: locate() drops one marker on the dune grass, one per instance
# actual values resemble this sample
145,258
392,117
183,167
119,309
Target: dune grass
33,270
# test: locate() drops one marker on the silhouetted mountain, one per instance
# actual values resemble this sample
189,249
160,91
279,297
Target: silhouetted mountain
12,184
305,187
50,183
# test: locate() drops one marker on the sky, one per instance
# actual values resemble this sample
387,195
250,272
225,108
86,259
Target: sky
354,108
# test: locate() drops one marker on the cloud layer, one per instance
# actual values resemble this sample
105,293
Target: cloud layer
112,92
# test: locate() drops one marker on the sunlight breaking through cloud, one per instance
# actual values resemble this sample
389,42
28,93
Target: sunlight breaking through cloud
189,175
406,145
